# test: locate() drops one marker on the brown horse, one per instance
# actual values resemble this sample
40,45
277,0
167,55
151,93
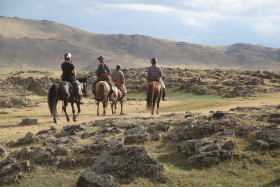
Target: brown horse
154,93
118,95
102,89
63,91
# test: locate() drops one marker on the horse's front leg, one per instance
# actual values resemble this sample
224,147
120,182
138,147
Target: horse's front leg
64,109
116,107
112,107
105,104
73,111
121,108
79,108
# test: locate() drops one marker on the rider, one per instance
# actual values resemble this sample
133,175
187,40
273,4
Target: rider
155,74
118,78
69,74
103,74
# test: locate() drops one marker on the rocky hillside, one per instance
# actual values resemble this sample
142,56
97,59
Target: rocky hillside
217,82
40,45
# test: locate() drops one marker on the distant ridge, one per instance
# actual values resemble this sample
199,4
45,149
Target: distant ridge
40,44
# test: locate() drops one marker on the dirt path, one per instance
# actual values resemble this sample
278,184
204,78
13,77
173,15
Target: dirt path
11,130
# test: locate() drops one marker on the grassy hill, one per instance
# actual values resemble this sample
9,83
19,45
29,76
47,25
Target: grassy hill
40,45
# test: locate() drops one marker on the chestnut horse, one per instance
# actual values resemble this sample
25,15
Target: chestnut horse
64,92
154,93
102,89
118,95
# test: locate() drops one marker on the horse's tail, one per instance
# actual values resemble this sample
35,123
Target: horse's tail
101,92
150,96
52,99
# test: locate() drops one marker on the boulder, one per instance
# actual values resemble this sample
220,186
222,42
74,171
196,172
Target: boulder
68,163
269,137
92,179
11,171
27,121
61,151
4,151
29,138
127,162
41,156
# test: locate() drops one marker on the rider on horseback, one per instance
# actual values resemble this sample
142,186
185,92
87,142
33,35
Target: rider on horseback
69,74
103,74
155,74
119,80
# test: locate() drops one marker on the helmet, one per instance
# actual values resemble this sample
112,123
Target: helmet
67,55
118,66
100,58
154,60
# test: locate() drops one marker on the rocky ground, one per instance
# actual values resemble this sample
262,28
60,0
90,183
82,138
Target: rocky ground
116,152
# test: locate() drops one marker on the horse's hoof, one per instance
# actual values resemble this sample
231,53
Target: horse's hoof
122,113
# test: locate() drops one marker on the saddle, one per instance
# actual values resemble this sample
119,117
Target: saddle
72,88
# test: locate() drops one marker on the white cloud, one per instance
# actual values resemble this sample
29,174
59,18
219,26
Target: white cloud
141,7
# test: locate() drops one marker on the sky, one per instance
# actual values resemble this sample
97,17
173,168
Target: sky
210,22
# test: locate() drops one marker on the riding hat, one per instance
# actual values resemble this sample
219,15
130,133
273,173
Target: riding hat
118,66
100,58
67,55
154,60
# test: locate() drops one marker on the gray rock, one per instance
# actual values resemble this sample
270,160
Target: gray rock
135,138
88,160
66,163
61,151
136,130
27,121
29,138
42,156
230,145
261,143
127,162
4,151
11,172
156,136
270,136
92,179
25,153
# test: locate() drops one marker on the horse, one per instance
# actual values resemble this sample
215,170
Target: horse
102,95
118,96
154,93
63,91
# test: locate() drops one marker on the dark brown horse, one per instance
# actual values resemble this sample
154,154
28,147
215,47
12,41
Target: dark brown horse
154,93
118,95
63,91
102,89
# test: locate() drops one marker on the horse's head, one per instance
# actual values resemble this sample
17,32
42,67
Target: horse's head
83,82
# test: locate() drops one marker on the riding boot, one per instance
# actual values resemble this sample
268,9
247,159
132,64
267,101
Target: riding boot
164,98
111,97
80,100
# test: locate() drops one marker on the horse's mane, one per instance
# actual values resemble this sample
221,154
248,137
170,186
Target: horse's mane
82,80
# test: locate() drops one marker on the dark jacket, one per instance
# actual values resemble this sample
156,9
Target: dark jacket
103,69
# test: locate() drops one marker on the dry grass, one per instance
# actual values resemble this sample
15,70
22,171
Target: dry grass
176,167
